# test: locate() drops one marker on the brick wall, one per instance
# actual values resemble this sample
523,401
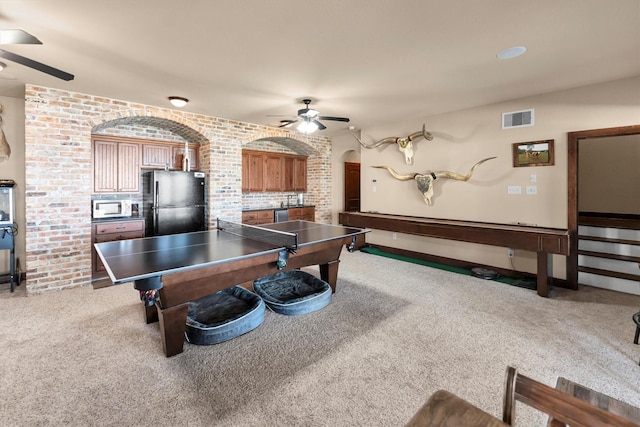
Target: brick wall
58,171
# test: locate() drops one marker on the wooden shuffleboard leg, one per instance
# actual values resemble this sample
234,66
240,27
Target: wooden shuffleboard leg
173,323
543,273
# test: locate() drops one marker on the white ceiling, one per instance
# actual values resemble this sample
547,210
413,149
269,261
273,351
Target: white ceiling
371,60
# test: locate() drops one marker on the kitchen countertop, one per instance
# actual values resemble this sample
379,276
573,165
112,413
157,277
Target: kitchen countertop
119,219
271,208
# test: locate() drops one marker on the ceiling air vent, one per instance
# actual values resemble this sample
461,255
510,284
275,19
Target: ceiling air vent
517,119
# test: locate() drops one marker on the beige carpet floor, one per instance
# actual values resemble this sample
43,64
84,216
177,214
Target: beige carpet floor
393,334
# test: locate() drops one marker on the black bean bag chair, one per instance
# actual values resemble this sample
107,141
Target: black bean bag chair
224,315
293,292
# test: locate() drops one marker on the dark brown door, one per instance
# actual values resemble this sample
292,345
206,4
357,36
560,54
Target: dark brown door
352,187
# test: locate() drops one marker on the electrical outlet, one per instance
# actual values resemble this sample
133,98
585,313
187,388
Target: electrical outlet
394,236
510,253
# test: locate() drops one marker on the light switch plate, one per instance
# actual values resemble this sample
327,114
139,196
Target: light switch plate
514,189
532,189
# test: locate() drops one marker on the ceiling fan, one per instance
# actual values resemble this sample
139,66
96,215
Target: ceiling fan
22,37
309,119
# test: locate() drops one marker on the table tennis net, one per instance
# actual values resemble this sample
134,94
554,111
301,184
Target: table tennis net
272,237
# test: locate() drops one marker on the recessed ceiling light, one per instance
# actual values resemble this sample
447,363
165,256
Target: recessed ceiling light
178,101
512,52
2,66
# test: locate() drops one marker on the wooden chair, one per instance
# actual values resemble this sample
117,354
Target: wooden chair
445,409
563,408
636,320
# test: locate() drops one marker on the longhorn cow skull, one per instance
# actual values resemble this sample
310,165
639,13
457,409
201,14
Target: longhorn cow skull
405,145
425,181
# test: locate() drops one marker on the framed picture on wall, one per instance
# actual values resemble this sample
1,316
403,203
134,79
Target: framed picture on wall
534,153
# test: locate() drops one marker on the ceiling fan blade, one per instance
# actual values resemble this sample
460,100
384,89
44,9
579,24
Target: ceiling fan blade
336,119
36,65
17,37
286,123
320,125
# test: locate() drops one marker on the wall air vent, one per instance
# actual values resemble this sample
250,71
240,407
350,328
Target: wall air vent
517,119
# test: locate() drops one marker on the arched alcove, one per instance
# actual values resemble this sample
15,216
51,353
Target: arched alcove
183,131
297,146
351,156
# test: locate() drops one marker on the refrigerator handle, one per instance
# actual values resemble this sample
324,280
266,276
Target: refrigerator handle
155,209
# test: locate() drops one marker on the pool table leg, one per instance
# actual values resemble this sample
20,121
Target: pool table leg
329,273
173,323
150,313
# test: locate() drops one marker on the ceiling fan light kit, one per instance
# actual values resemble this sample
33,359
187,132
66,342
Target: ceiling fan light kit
178,101
307,127
308,118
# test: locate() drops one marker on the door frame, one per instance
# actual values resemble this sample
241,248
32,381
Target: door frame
573,144
346,192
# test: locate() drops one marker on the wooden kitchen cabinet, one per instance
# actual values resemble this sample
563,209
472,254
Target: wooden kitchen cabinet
278,172
300,174
111,231
252,171
128,168
157,155
304,214
117,161
266,216
116,166
294,173
272,172
168,155
258,217
287,174
178,156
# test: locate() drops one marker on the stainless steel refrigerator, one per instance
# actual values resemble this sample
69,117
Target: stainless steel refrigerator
173,202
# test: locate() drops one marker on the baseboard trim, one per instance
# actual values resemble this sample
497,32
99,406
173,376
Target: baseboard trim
466,264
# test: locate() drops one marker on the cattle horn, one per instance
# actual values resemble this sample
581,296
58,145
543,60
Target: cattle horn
456,176
388,140
396,175
423,133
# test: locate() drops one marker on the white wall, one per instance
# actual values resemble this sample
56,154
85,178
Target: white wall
461,138
13,127
609,174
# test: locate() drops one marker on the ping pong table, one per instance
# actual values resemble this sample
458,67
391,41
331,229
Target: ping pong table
171,271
